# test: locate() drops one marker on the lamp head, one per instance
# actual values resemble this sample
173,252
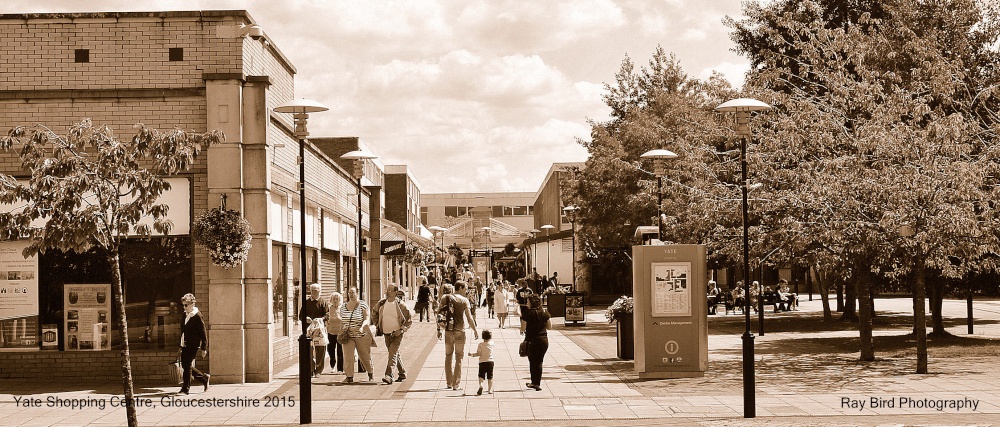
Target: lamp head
659,154
299,106
358,155
742,104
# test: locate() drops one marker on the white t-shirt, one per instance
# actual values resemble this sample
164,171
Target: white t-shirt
485,351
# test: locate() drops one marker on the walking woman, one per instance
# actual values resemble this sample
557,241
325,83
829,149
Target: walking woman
499,304
354,313
534,326
333,327
194,337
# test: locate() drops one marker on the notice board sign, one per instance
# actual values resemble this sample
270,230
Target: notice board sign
86,316
671,295
18,298
575,307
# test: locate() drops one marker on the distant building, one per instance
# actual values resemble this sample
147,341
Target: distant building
194,70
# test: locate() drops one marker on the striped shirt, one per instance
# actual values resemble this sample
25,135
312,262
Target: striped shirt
354,319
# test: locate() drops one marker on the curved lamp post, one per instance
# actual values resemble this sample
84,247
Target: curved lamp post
743,107
571,212
660,158
358,158
300,108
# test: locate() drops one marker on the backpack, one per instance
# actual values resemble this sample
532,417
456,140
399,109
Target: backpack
446,315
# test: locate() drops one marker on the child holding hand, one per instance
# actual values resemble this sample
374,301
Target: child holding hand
485,353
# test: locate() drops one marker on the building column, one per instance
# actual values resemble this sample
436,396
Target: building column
259,288
223,95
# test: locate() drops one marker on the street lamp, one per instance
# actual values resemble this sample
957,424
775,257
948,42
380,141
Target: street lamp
357,159
534,252
743,107
548,251
660,158
489,246
300,108
570,212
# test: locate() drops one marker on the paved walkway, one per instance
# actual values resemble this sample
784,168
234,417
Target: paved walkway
583,384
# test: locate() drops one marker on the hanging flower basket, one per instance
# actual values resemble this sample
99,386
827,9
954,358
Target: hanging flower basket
226,235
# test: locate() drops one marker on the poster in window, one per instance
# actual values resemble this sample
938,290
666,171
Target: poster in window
671,290
87,316
18,298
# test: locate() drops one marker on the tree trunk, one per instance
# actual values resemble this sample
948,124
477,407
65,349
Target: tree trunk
840,295
850,313
919,320
824,291
865,319
116,285
936,290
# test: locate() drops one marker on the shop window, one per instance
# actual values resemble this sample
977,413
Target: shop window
155,274
279,300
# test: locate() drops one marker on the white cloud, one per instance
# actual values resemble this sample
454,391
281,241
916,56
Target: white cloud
735,73
474,95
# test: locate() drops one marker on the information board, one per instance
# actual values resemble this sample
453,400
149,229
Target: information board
87,314
671,293
18,297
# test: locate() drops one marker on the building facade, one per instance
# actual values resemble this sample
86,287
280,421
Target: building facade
200,71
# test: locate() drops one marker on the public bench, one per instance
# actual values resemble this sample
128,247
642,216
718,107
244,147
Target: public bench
773,299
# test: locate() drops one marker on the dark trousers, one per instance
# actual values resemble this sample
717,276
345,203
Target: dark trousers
536,355
187,362
422,308
336,352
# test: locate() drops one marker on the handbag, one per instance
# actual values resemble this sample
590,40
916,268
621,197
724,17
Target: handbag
343,338
175,373
523,348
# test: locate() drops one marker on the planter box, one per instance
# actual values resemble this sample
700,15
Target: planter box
626,339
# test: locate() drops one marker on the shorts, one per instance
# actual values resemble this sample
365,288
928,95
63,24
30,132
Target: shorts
486,370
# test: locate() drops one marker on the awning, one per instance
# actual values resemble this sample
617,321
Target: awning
392,231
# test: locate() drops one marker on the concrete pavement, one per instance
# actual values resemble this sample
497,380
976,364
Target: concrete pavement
583,384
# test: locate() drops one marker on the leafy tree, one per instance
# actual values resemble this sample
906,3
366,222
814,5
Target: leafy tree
887,119
657,106
92,190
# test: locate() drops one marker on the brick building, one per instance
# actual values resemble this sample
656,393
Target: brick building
197,70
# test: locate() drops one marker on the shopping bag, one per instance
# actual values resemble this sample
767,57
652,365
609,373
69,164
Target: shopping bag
175,373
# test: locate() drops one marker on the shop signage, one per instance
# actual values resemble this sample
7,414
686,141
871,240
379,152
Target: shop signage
393,247
18,297
87,311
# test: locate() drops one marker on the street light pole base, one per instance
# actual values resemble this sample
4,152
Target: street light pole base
305,379
749,386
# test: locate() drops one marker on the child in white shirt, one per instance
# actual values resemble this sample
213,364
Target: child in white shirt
485,353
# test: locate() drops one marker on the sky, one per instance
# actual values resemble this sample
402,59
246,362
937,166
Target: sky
471,95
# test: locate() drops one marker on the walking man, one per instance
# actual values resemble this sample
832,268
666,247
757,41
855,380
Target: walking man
392,318
316,308
456,305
